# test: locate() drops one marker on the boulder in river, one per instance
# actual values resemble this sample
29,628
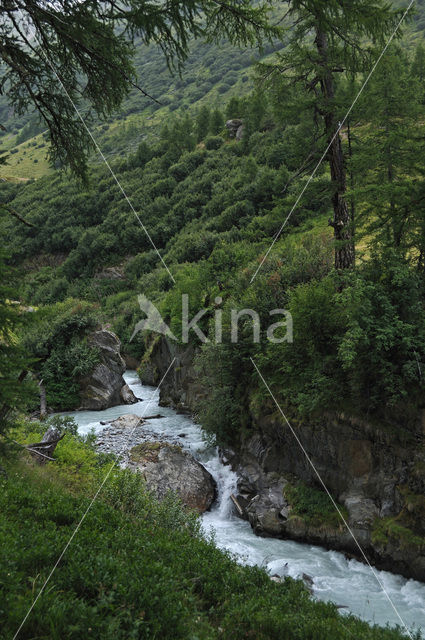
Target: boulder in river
102,388
167,467
127,396
127,421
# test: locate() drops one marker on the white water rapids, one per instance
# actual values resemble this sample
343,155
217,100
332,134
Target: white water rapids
345,582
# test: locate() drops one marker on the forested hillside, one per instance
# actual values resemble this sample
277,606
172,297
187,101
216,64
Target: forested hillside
212,205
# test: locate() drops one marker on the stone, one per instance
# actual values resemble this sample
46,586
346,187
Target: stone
127,396
233,126
101,388
362,511
127,421
168,468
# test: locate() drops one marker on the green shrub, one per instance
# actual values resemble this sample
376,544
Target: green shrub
213,142
313,505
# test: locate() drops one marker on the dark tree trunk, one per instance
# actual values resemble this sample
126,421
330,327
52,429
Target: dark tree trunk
341,223
350,155
43,402
396,222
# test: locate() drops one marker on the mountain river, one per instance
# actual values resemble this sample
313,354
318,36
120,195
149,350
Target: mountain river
346,582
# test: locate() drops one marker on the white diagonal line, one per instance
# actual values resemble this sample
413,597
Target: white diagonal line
74,533
130,204
331,498
341,124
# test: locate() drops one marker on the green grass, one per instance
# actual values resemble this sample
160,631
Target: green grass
136,568
27,160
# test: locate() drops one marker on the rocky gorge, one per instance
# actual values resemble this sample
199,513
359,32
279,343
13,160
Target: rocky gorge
374,472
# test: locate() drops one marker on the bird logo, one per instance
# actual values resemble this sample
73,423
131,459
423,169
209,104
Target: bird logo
153,320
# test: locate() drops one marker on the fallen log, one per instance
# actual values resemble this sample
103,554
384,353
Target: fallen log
236,503
44,449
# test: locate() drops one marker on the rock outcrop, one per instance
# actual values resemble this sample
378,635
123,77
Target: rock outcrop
103,387
369,473
235,128
168,468
180,388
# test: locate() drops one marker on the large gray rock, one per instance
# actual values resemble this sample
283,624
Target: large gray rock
127,396
127,421
166,467
102,388
233,126
362,512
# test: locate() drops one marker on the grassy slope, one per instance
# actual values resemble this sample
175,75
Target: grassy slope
135,569
27,160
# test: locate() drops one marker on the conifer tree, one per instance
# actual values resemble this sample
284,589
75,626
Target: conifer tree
216,122
327,39
418,70
202,123
389,154
233,108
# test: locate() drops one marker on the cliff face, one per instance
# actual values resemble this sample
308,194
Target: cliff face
180,388
376,477
376,474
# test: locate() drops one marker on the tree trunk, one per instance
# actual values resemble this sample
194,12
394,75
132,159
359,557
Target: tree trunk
43,402
396,223
341,223
350,155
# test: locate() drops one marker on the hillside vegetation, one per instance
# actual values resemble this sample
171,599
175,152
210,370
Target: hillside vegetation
211,75
212,205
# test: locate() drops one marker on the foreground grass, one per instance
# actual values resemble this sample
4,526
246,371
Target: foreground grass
136,569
